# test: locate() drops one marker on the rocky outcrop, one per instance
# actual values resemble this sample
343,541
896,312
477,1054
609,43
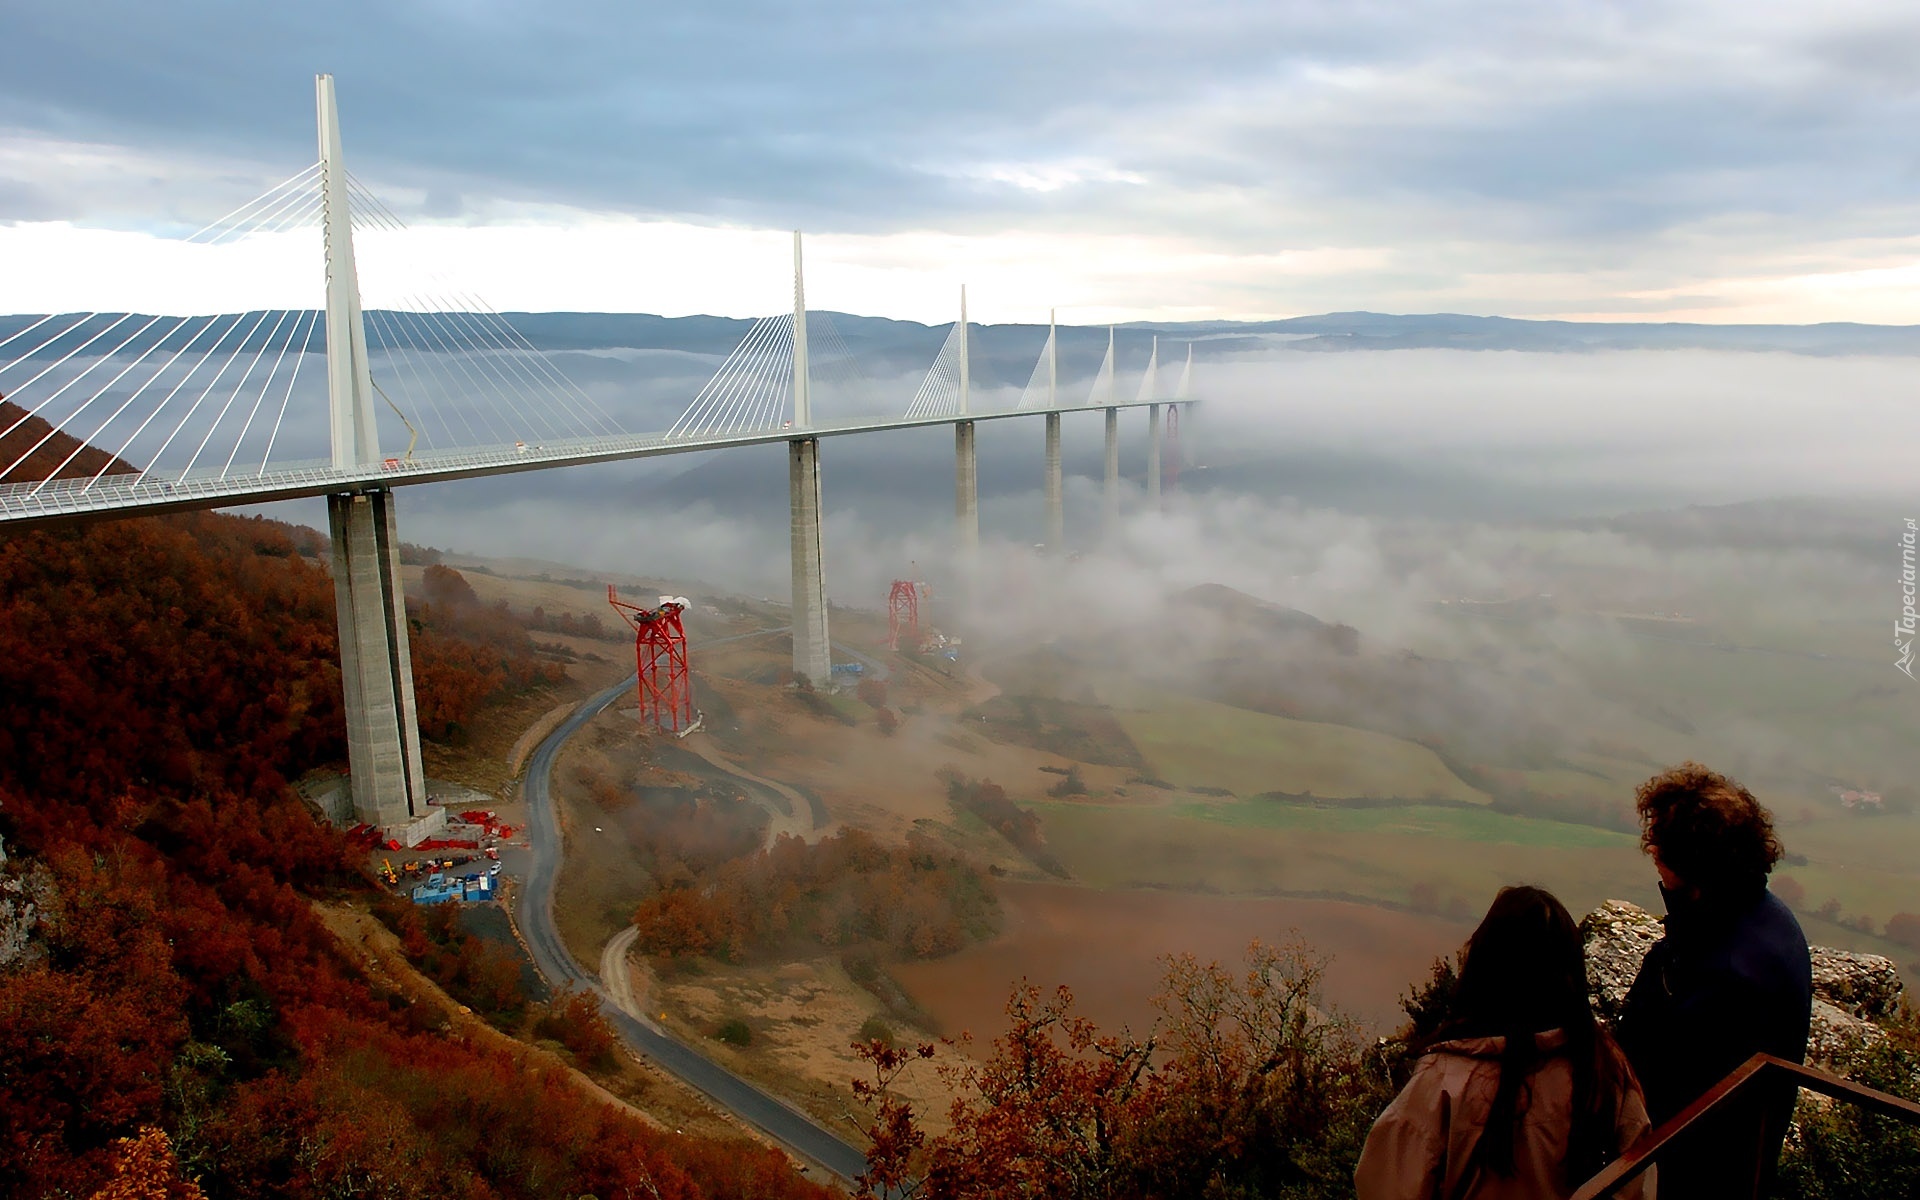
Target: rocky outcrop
1617,937
1851,990
26,898
1866,985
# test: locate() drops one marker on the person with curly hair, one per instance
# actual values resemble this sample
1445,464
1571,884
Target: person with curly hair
1731,977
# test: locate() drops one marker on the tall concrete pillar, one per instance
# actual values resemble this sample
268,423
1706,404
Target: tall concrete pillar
811,655
1056,510
966,496
1153,455
1110,493
376,672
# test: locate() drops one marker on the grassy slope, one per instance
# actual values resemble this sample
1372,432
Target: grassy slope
1193,742
1132,847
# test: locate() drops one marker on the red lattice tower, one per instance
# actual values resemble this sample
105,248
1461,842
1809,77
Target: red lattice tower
660,653
903,614
1170,466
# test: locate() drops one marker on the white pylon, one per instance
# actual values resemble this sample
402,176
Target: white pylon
965,376
802,391
1150,380
1053,360
356,438
1186,376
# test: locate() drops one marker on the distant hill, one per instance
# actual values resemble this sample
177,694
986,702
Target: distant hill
49,454
1004,354
884,339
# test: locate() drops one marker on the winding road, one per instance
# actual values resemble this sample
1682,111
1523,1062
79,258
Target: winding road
780,1121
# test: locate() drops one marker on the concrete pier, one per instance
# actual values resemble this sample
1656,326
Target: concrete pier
1110,493
1154,434
966,496
811,654
1056,508
383,728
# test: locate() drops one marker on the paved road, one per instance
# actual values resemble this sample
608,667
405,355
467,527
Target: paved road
775,1118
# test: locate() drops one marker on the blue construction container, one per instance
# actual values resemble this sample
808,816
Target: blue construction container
438,889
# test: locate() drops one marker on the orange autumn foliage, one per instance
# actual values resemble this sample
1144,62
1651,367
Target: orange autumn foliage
160,681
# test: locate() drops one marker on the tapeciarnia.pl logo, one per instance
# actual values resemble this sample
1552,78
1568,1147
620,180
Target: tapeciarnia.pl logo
1904,627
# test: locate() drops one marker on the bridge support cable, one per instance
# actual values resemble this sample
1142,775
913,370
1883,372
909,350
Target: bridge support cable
411,382
494,330
238,387
57,364
1150,381
121,451
97,369
751,388
727,393
14,337
409,340
81,444
53,430
1103,380
939,392
457,364
719,395
837,370
192,409
512,366
757,396
1043,386
249,217
306,347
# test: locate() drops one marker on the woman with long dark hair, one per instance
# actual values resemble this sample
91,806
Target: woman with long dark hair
1521,1093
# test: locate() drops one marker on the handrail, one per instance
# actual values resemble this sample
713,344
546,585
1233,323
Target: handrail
1643,1153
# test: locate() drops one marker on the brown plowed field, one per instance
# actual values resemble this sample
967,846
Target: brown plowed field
1107,947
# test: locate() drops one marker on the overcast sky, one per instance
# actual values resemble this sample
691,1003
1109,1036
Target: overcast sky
1707,160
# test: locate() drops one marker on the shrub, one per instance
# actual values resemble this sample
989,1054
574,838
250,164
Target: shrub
1243,1088
574,1020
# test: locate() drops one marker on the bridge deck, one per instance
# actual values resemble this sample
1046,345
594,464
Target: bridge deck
67,501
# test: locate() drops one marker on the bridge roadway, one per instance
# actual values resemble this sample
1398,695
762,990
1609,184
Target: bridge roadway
778,1120
68,501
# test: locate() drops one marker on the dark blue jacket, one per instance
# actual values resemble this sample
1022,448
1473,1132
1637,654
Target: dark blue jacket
1732,977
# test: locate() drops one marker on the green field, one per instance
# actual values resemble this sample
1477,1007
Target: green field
1458,824
1884,844
1200,743
1452,870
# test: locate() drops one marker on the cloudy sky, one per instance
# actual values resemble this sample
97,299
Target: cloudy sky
1707,160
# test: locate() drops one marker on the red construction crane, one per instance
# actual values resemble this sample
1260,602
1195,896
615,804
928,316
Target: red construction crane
660,653
903,613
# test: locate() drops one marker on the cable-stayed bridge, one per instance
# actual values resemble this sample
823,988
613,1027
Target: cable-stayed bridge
113,414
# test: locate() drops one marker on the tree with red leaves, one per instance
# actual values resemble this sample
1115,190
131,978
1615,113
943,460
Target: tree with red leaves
1246,1085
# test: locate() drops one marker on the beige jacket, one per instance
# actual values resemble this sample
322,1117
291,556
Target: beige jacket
1418,1149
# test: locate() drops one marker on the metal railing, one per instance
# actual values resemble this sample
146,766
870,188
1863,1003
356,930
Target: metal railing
1758,1071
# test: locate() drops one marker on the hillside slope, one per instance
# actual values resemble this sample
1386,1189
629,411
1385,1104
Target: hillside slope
160,962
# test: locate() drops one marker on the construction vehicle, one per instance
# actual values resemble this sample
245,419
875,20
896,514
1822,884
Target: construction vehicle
387,872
